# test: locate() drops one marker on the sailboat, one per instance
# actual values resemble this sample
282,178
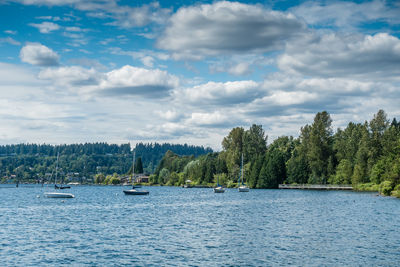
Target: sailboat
58,194
242,186
133,191
219,188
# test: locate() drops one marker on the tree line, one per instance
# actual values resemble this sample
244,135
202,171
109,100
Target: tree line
366,155
80,162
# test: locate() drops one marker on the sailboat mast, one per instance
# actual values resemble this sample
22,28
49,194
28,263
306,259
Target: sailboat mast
133,166
241,166
55,179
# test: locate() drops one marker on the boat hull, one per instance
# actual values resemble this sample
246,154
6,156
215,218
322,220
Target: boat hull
61,187
58,195
135,192
243,189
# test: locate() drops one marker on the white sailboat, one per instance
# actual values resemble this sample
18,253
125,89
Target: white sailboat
242,186
133,191
219,188
57,194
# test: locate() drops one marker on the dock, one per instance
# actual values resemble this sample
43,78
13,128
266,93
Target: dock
316,186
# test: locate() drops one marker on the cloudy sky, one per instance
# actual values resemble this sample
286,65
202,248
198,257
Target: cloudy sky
75,71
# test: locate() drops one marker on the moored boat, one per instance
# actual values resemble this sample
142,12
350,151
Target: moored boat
219,189
135,192
242,186
58,195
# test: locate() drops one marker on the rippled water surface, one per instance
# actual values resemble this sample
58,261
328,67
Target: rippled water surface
195,227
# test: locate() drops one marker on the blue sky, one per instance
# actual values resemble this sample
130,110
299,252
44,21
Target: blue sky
75,71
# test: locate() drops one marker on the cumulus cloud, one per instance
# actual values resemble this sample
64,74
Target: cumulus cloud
128,17
70,76
335,55
345,14
169,115
38,54
282,98
227,27
214,119
130,80
124,81
216,93
45,27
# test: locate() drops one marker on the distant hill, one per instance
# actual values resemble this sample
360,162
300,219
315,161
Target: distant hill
152,153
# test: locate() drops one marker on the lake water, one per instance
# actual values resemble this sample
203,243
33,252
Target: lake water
196,227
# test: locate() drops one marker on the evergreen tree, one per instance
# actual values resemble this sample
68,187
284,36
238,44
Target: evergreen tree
139,165
320,147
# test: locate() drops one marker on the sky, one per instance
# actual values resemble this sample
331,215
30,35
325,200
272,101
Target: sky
76,71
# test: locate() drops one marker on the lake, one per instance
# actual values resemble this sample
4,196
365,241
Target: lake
196,227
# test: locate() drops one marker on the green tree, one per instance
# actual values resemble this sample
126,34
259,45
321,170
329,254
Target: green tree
320,147
297,167
99,178
139,165
344,173
273,171
255,169
360,172
164,176
254,142
232,146
378,126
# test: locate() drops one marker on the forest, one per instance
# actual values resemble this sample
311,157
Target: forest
81,162
365,155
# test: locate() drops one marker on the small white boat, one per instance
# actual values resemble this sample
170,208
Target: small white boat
219,189
242,186
58,195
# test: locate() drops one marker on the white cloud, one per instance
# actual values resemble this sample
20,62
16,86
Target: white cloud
337,86
130,80
345,14
13,74
148,61
336,55
75,29
241,68
38,54
45,27
9,40
128,17
215,119
124,81
147,57
169,115
227,27
213,93
10,32
282,98
70,76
